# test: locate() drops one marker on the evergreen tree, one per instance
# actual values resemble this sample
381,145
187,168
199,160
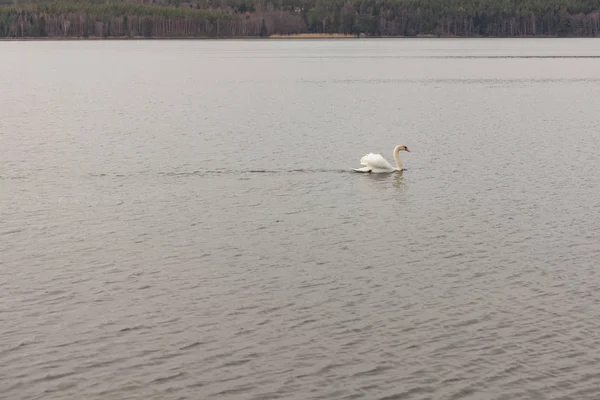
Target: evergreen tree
212,18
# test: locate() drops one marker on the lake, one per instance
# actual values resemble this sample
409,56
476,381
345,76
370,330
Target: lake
180,219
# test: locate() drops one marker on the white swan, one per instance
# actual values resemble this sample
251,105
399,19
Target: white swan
376,164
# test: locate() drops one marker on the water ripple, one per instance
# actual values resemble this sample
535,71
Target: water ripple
202,235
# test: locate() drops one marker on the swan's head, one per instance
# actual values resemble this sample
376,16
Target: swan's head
403,147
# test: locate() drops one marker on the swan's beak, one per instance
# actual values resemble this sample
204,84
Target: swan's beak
406,148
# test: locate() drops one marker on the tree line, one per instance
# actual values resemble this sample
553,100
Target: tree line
242,18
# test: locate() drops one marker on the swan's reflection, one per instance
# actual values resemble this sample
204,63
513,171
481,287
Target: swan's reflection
397,179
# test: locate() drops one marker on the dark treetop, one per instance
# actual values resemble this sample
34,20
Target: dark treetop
242,18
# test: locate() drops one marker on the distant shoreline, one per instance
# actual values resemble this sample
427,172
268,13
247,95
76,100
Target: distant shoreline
300,36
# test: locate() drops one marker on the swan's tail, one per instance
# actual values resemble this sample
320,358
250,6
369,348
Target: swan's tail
363,169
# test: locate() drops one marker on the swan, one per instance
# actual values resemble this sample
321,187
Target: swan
375,163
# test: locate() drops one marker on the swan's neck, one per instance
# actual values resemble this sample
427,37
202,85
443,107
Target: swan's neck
397,158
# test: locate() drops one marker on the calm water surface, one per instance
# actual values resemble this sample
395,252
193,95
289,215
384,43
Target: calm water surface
178,220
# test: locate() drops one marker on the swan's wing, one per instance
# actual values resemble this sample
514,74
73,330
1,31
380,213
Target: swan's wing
375,161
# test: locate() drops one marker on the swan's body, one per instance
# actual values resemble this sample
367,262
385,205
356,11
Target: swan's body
376,164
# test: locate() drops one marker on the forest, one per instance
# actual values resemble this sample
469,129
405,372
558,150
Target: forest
263,18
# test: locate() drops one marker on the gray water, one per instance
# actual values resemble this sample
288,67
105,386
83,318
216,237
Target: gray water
179,220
